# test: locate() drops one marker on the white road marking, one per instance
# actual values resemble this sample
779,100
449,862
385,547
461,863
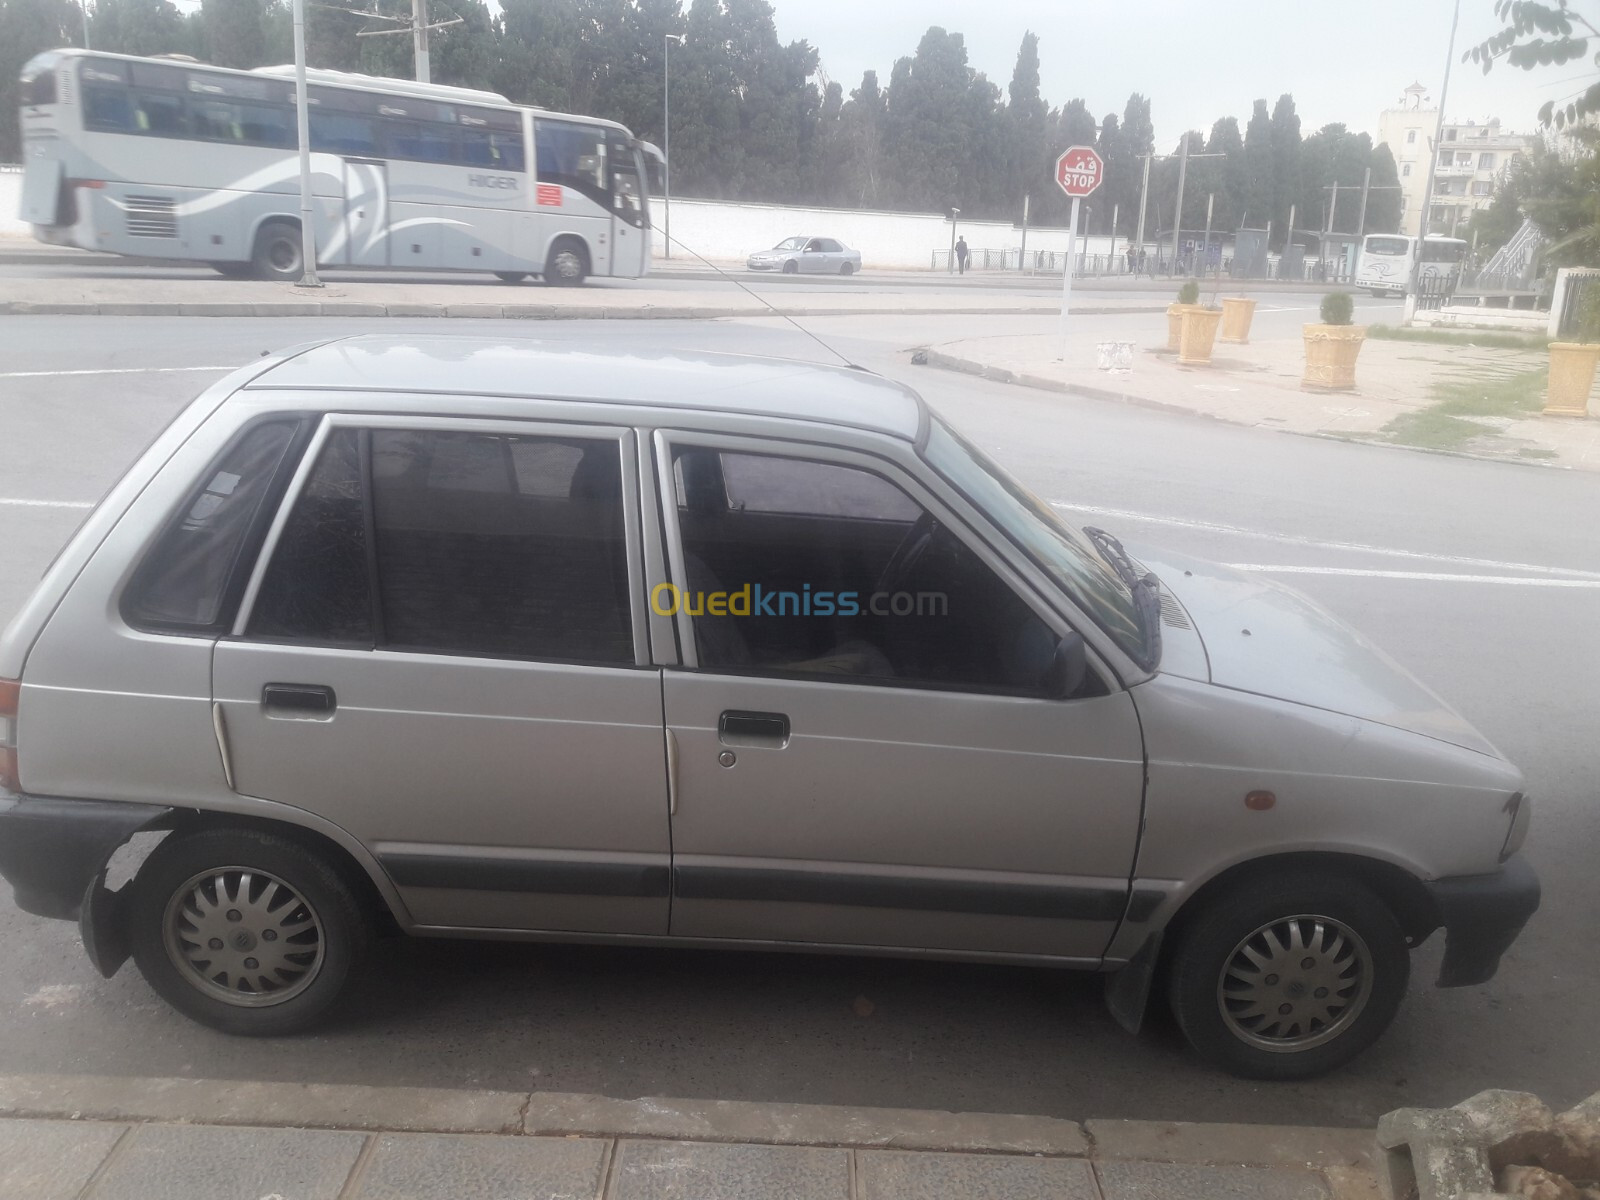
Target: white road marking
1431,576
1290,539
107,371
4,500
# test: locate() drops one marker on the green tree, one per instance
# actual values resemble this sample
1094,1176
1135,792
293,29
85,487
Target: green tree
1562,197
1137,137
141,27
1383,202
1109,144
1027,120
1540,35
927,124
1225,176
862,120
1256,189
1285,143
234,32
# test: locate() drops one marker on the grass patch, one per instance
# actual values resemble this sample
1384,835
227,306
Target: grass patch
1459,337
1449,423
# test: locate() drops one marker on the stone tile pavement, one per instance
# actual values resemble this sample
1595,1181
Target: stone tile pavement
90,1138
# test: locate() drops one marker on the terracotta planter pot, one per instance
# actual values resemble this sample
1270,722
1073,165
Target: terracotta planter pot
1331,352
1199,331
1572,369
1175,324
1237,313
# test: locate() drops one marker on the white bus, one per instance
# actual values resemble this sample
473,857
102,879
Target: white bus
169,158
1386,260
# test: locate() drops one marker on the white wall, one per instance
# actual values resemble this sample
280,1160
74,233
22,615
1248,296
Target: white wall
12,225
727,232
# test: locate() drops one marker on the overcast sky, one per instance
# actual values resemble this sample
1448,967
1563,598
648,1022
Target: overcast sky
1197,62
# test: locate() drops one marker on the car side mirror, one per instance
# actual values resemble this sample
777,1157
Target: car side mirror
1068,668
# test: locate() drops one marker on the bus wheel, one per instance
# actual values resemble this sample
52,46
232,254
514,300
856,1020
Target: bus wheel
567,264
510,276
277,252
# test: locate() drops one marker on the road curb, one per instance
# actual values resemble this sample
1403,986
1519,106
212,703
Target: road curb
480,311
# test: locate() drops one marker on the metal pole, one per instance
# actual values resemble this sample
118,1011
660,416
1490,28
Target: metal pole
1287,242
84,7
302,114
1211,198
666,130
1144,192
1066,281
1410,310
419,39
1332,209
950,267
1111,261
1177,216
1361,217
1088,216
1022,254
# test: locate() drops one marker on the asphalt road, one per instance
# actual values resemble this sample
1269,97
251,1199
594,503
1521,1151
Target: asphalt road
1482,577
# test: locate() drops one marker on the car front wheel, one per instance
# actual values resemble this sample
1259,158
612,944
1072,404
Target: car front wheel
1290,976
791,267
245,931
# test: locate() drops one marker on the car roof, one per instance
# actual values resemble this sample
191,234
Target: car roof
594,371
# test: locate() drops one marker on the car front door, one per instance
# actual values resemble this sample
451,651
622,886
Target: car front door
863,751
443,656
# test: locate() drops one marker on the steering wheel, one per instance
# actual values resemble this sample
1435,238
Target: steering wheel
897,571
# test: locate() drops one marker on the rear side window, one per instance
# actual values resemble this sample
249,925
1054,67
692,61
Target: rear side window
194,573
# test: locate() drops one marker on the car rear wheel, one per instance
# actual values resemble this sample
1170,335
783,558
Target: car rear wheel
245,931
567,264
277,253
848,269
1290,976
791,267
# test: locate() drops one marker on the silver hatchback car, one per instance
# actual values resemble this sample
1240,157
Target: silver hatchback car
486,639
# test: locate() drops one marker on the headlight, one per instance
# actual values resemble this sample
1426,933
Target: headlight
1521,813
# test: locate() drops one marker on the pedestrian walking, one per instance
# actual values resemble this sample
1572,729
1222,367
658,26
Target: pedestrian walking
1133,261
961,255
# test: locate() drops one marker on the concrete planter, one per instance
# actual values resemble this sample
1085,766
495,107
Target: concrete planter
1331,352
1175,325
1198,332
1572,369
1237,313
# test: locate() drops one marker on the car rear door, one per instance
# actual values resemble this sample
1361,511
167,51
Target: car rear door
442,652
862,752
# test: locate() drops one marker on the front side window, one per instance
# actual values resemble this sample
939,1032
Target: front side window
457,542
802,568
194,572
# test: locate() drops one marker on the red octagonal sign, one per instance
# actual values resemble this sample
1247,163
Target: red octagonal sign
1079,170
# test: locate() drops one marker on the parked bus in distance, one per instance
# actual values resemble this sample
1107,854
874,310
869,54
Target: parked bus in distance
1386,259
169,158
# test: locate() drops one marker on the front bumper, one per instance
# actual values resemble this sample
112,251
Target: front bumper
1482,915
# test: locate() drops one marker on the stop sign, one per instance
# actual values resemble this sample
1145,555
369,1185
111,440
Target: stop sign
1079,171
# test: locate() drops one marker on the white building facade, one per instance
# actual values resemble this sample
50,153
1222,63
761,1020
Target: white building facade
1471,159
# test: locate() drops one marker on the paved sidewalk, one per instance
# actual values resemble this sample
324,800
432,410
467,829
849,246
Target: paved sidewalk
1259,384
93,1138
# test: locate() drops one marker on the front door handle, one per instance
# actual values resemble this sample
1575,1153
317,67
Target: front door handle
738,728
301,697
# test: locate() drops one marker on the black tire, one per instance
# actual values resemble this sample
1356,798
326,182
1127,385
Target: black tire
847,269
567,263
233,270
791,267
1218,1020
277,254
511,276
287,884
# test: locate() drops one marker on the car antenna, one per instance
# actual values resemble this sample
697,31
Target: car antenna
776,311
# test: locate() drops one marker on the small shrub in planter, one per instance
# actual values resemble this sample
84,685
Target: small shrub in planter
1188,297
1332,346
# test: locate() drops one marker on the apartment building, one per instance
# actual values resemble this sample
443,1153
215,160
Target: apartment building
1471,157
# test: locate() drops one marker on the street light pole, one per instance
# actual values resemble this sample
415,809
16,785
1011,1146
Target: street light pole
83,7
1410,310
302,110
950,267
1144,193
1177,216
419,40
666,129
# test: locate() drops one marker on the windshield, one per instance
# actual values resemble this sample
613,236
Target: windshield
793,243
1057,548
1392,246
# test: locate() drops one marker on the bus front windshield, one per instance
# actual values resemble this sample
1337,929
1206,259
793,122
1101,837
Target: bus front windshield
1054,546
1390,247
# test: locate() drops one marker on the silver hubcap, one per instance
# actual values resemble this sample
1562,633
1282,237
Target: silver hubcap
1295,983
568,264
243,936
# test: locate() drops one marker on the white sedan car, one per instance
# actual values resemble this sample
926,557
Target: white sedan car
810,255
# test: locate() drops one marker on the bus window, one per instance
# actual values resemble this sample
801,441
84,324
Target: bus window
39,88
107,108
248,124
574,156
342,133
1395,247
418,141
483,148
159,114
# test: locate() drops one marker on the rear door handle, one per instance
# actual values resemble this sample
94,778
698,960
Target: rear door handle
301,697
738,728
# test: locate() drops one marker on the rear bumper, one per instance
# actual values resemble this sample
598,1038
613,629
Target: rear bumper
52,849
1482,915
